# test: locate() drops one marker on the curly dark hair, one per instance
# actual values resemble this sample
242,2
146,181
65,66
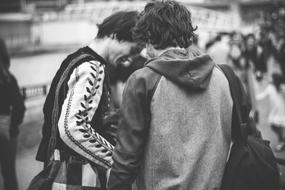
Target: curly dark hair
165,24
118,25
5,75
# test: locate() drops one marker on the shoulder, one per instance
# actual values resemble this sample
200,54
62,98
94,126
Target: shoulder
142,82
219,75
144,75
88,71
92,66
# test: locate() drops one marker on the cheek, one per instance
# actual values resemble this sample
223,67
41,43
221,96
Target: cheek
116,55
121,51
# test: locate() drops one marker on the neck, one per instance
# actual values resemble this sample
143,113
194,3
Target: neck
160,52
100,46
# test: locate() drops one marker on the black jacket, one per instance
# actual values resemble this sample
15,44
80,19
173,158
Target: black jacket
12,103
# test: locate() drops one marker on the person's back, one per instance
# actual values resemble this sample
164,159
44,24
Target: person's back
189,135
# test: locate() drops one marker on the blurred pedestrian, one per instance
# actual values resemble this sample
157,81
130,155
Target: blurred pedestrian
12,111
235,52
219,51
280,53
78,104
176,111
276,118
253,55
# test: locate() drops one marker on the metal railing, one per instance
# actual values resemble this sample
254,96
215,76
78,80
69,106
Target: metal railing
29,92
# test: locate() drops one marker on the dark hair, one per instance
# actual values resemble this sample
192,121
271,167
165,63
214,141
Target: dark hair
250,36
277,80
119,25
4,63
165,24
4,55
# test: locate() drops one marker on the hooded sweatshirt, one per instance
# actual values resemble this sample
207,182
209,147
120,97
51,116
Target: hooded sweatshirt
175,131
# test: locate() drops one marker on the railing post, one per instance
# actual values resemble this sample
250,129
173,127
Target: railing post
44,89
24,93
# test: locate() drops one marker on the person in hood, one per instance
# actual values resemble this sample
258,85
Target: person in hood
175,130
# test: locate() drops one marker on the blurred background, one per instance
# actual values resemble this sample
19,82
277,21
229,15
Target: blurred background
39,34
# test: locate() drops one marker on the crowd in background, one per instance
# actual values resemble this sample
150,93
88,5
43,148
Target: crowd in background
253,49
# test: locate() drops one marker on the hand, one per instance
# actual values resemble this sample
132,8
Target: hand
108,175
110,127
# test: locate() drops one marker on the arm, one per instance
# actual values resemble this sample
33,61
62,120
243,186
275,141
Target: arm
132,132
18,108
85,88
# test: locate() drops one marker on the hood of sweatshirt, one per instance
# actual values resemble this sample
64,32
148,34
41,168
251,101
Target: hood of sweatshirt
187,68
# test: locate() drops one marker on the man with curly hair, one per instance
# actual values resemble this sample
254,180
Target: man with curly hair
176,111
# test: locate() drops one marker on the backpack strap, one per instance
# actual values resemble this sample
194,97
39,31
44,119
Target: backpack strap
154,84
239,131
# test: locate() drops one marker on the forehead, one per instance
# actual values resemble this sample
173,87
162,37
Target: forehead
124,46
127,44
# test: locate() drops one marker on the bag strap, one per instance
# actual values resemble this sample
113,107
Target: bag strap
154,87
239,132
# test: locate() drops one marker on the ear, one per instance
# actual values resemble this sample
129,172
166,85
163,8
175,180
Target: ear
149,47
150,50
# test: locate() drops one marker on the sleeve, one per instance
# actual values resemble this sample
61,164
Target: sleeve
85,90
18,108
132,132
